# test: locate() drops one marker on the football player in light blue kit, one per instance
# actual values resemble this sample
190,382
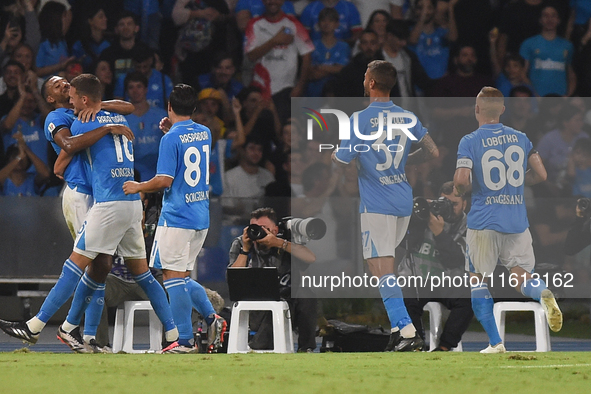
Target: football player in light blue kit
493,162
386,196
183,173
76,200
114,221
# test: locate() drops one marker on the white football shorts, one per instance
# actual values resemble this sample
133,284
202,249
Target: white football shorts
176,249
75,206
114,226
381,234
484,248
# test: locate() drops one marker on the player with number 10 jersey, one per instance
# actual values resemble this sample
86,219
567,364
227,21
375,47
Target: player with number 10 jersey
498,157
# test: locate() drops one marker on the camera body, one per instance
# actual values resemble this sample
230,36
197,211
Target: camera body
441,207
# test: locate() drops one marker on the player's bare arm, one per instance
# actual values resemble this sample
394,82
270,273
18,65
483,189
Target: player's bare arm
427,151
72,144
159,182
62,162
462,182
536,172
117,106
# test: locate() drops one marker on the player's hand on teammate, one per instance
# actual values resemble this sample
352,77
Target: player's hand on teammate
87,115
125,131
165,124
131,187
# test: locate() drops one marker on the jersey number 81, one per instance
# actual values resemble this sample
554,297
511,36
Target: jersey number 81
192,165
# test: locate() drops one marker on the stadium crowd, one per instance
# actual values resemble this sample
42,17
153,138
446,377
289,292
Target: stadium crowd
247,58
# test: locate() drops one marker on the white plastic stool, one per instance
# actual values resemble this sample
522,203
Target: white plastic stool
435,314
282,335
123,333
542,332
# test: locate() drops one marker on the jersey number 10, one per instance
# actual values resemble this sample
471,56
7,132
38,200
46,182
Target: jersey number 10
512,173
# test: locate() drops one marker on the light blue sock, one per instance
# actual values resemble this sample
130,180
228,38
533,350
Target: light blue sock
92,317
482,305
393,301
82,298
533,288
157,297
61,291
180,303
200,300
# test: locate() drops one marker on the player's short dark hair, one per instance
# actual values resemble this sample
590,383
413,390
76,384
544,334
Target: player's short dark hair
88,85
264,212
328,13
44,87
135,76
384,74
183,99
398,28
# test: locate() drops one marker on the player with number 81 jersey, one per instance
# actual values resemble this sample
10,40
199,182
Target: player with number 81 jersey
184,156
110,159
498,157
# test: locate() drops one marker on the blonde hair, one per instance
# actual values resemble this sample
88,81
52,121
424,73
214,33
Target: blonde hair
490,101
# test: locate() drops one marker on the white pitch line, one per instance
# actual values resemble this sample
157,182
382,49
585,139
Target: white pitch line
545,366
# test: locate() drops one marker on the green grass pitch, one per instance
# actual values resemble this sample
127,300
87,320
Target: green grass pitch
520,372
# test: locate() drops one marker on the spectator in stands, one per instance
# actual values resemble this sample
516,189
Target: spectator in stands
274,43
203,26
148,13
519,21
159,85
349,82
13,73
260,118
427,178
579,168
210,103
93,42
580,14
15,179
53,54
513,72
121,52
392,8
546,120
410,72
431,41
549,57
581,62
555,147
378,21
246,10
23,18
144,122
102,69
23,54
330,54
350,22
222,75
25,120
281,150
248,179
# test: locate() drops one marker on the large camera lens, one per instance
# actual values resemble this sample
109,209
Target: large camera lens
255,232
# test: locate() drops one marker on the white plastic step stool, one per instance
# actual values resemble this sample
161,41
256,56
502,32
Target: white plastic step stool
542,331
282,334
123,333
435,315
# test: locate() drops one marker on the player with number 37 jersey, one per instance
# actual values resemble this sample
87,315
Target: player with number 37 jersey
498,156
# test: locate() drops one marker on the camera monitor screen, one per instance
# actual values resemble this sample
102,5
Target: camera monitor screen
253,284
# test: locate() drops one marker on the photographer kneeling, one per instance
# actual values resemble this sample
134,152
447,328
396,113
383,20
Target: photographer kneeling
436,241
274,251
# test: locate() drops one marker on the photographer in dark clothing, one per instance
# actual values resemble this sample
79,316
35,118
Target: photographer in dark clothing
437,242
274,251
